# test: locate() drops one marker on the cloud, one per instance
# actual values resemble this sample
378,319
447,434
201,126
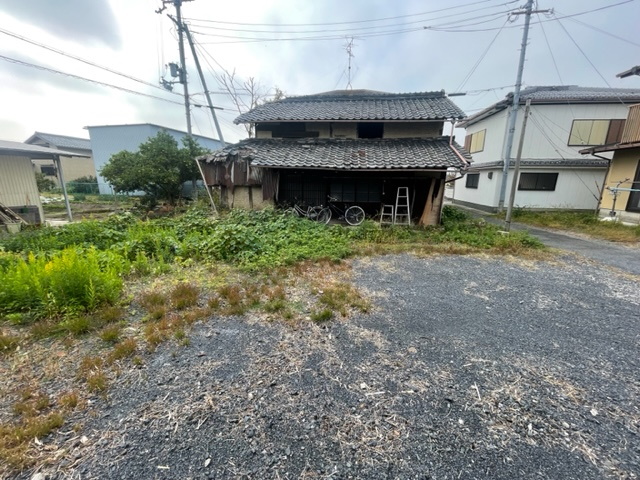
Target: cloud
80,20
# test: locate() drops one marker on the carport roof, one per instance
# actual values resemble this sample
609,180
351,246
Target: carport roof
346,154
33,151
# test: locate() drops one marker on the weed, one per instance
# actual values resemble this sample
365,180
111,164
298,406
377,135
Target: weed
323,315
110,314
184,295
342,296
15,438
214,303
44,329
69,400
124,349
137,361
152,299
31,403
97,381
158,312
88,365
110,334
8,342
275,305
75,325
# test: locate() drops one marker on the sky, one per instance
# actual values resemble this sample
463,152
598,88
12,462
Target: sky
468,46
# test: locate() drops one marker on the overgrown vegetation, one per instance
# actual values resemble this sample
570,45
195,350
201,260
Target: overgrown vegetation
69,283
581,222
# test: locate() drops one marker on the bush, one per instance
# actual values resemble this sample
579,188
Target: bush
44,184
72,280
84,185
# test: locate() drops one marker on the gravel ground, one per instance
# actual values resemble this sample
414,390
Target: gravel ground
467,368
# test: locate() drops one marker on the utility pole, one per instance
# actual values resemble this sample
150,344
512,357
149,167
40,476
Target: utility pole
513,113
204,84
516,170
183,63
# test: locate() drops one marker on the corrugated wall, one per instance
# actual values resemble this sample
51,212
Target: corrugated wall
18,186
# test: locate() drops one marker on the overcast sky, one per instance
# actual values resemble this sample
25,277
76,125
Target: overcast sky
399,46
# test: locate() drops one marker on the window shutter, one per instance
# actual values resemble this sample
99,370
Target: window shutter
615,131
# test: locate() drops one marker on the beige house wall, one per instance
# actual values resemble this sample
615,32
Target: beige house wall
72,167
624,166
246,198
18,186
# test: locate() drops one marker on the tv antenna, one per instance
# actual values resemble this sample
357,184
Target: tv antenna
349,48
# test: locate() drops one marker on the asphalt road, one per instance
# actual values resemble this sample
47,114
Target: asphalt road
466,368
612,254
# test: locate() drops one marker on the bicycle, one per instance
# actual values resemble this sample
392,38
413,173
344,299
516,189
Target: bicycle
319,214
353,215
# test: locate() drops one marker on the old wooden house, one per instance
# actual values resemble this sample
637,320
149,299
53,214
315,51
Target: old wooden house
356,146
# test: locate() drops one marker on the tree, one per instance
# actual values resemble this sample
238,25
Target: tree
44,184
158,168
246,95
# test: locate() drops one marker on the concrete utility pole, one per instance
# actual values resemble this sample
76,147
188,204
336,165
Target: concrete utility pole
204,84
183,63
516,170
513,113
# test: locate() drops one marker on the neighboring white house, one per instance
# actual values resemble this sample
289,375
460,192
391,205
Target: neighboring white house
553,175
107,140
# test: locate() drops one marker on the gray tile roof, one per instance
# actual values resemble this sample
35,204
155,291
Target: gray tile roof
566,94
345,154
547,162
62,141
356,105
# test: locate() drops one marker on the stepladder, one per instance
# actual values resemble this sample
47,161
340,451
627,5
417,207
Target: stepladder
402,211
386,216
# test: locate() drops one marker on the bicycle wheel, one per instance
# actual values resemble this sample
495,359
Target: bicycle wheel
323,216
354,215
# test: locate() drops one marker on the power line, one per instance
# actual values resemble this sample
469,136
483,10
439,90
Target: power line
74,57
355,29
346,23
587,58
78,77
460,22
541,21
580,22
479,61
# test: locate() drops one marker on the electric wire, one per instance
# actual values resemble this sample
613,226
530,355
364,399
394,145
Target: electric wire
450,30
80,59
347,23
78,77
480,59
612,35
587,58
353,30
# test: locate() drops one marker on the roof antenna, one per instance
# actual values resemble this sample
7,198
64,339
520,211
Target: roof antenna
349,48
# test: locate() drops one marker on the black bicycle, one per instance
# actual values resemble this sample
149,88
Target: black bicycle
353,215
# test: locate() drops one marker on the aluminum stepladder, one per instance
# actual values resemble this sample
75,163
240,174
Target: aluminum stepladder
402,213
387,217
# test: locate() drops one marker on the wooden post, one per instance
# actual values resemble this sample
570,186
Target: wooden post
424,219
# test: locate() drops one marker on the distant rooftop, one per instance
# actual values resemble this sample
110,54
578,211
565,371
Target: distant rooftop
559,94
353,105
61,141
155,125
33,151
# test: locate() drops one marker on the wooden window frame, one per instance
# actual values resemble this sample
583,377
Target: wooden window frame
613,135
536,188
469,139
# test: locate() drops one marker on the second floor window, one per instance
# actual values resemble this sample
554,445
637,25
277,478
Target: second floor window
595,132
474,142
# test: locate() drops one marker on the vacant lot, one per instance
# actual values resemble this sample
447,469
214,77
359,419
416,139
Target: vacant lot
465,367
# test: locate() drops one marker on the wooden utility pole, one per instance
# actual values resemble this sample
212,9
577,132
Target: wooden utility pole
513,113
516,170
